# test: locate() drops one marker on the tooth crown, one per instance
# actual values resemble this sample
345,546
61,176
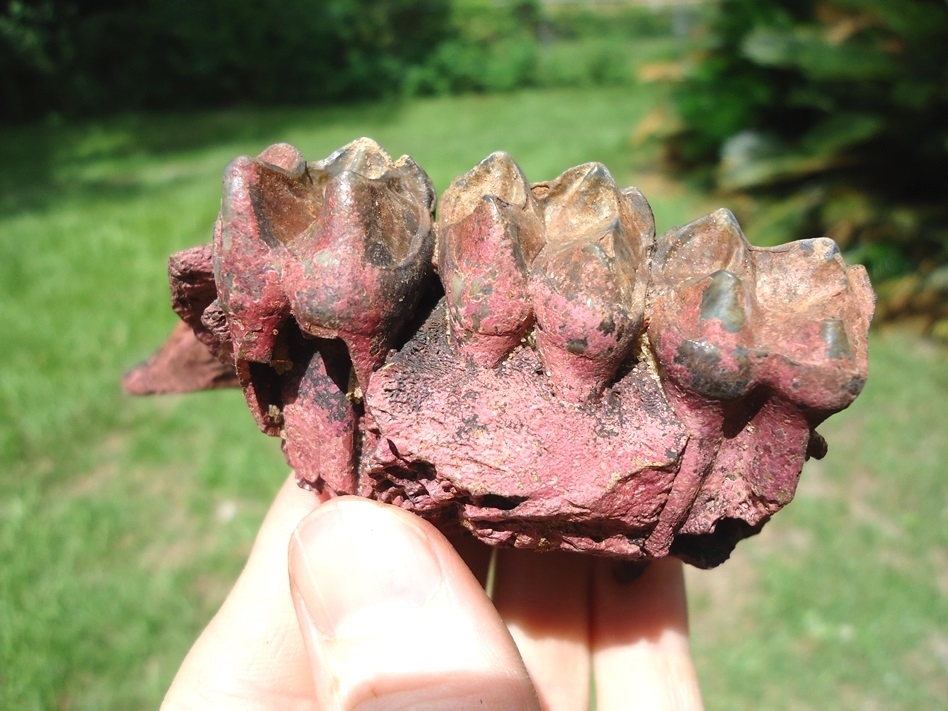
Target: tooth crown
570,255
342,244
728,318
579,385
489,231
589,281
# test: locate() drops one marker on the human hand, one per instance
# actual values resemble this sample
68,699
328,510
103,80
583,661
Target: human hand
381,612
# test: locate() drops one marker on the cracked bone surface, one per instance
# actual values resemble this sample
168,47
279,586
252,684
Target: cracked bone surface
535,367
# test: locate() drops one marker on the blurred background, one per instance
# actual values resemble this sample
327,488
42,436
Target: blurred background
123,522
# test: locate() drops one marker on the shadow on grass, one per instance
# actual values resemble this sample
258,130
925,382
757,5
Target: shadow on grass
45,162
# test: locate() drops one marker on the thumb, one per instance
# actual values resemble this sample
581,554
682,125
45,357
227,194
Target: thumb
393,619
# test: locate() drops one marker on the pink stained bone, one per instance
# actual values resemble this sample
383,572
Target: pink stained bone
535,366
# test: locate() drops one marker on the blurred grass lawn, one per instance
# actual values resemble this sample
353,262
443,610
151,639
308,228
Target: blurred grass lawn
123,521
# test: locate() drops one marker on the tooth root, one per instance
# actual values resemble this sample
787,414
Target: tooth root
261,386
483,271
319,421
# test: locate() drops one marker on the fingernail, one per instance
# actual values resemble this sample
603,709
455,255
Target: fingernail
356,565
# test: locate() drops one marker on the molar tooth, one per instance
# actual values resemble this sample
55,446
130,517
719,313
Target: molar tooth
587,317
639,222
248,253
588,283
702,247
711,324
489,232
820,274
360,273
286,157
363,156
583,199
498,175
791,318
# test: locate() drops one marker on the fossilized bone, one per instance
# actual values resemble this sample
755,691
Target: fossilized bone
535,366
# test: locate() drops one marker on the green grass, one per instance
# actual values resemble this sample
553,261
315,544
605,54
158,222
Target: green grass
842,601
123,521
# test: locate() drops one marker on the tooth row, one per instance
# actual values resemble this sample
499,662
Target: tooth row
346,247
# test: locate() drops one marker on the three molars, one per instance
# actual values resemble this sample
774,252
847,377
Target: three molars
727,317
565,260
344,245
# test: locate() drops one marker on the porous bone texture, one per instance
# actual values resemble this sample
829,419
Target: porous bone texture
535,366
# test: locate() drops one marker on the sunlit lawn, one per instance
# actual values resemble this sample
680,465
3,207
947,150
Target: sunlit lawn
123,521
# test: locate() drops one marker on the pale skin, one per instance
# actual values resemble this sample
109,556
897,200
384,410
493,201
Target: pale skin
349,604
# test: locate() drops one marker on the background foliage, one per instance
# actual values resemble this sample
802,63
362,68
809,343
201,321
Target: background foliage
103,56
831,114
98,57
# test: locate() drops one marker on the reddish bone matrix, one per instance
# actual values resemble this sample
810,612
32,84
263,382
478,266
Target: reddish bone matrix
535,366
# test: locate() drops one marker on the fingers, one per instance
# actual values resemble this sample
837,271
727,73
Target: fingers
394,619
251,655
544,599
640,640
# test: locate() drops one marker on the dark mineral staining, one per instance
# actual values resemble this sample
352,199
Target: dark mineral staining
709,378
833,332
722,300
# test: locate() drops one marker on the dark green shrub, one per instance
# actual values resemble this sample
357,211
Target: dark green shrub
581,20
831,115
106,56
487,46
103,56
